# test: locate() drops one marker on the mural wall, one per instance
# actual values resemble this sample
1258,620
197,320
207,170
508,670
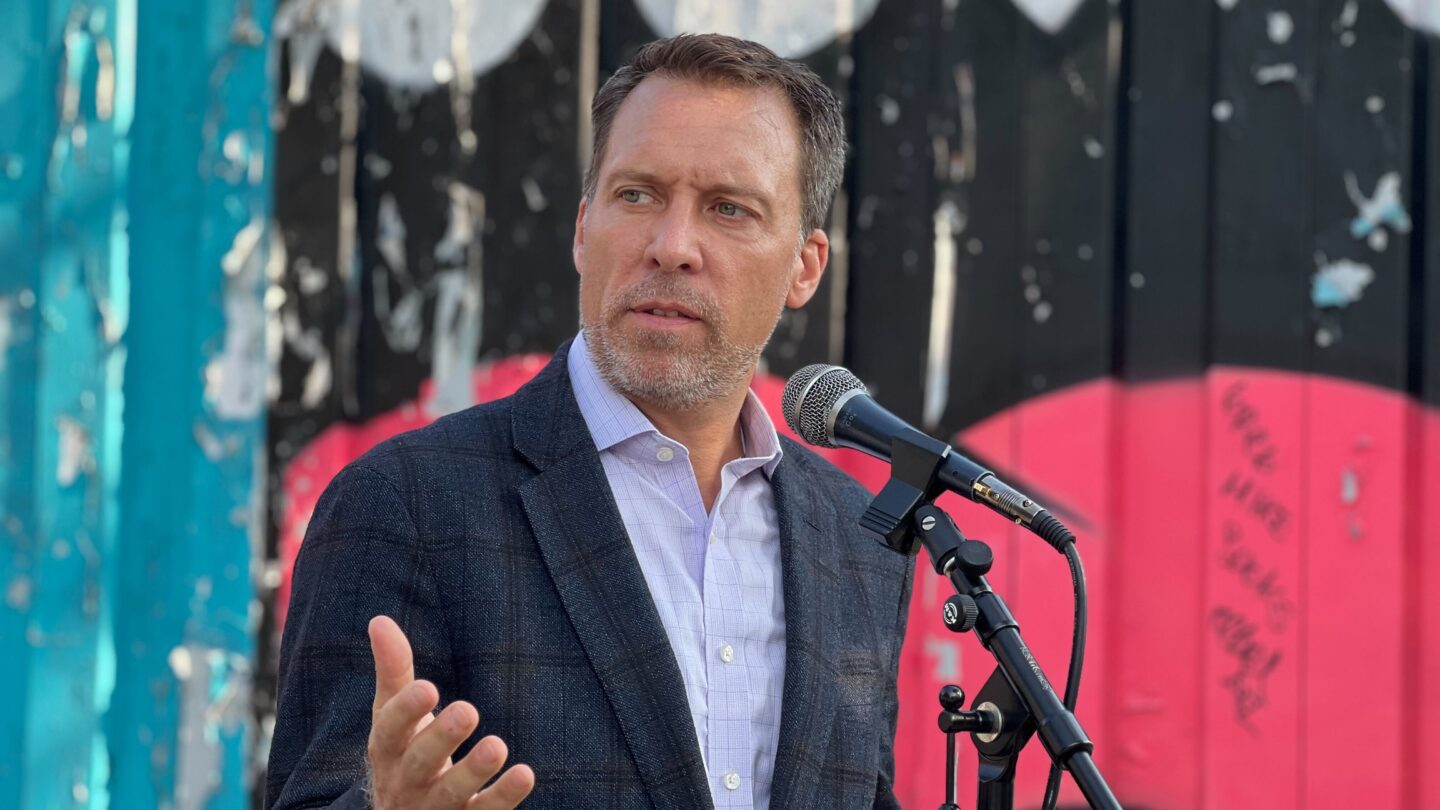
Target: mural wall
1163,264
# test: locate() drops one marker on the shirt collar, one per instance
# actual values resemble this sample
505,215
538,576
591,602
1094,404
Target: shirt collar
613,419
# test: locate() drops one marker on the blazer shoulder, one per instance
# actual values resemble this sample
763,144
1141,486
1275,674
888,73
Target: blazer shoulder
825,479
471,434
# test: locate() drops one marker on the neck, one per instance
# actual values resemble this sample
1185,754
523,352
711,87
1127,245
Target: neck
710,432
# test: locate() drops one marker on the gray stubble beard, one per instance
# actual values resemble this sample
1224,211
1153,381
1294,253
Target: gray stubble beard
683,381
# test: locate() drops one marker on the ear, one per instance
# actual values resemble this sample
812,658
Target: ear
577,247
809,267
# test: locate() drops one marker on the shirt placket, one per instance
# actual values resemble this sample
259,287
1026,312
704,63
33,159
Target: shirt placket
731,748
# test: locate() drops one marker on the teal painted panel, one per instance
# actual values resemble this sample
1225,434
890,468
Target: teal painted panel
62,306
180,724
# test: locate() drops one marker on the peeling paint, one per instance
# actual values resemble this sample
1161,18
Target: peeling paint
1384,208
7,332
942,314
1340,283
235,379
76,455
459,302
215,696
214,447
462,89
402,325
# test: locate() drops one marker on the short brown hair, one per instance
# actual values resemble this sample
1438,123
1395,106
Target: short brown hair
728,60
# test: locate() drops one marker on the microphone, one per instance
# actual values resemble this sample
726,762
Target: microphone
828,406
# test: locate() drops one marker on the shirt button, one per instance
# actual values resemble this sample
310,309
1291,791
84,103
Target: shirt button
732,781
664,454
727,654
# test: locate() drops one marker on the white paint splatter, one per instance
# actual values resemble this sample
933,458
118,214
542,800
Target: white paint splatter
790,29
1227,4
402,325
1272,74
534,196
403,40
942,314
1421,14
1279,26
1340,283
459,303
1222,111
1349,487
1049,15
213,446
390,236
889,109
235,378
1383,208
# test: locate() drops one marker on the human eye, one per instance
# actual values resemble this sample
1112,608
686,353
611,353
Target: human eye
730,210
632,195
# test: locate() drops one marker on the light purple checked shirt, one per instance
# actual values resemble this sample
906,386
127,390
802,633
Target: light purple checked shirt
715,578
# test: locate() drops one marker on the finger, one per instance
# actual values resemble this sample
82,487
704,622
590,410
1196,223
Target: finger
429,752
394,662
508,791
401,718
471,773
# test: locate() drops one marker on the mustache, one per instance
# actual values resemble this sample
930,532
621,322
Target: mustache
667,288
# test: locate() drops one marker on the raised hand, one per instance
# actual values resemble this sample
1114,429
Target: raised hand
410,748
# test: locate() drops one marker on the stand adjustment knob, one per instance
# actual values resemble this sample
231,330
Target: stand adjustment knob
952,698
960,613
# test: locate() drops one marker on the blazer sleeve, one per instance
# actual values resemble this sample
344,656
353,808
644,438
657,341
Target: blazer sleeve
885,785
362,556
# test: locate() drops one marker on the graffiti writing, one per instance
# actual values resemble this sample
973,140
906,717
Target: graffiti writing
1257,502
1255,660
1239,559
1244,420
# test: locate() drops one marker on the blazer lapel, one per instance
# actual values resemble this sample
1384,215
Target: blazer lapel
589,556
811,583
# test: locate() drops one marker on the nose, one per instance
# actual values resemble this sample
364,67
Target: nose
675,241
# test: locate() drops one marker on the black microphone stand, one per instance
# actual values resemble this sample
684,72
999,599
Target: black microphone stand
1017,700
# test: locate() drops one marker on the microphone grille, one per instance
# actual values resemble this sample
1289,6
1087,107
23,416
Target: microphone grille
809,395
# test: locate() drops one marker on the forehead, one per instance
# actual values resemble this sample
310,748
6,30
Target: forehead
705,133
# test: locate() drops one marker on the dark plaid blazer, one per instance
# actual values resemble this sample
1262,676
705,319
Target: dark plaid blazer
493,539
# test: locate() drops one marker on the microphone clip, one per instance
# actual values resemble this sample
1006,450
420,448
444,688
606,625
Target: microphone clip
915,460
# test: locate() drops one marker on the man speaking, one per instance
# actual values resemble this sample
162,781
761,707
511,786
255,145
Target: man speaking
620,576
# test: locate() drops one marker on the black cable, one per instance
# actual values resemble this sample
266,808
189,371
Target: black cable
1077,658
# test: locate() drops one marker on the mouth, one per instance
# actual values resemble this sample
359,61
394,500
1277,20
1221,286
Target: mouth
664,314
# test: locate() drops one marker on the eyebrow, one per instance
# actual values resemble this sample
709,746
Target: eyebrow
729,189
